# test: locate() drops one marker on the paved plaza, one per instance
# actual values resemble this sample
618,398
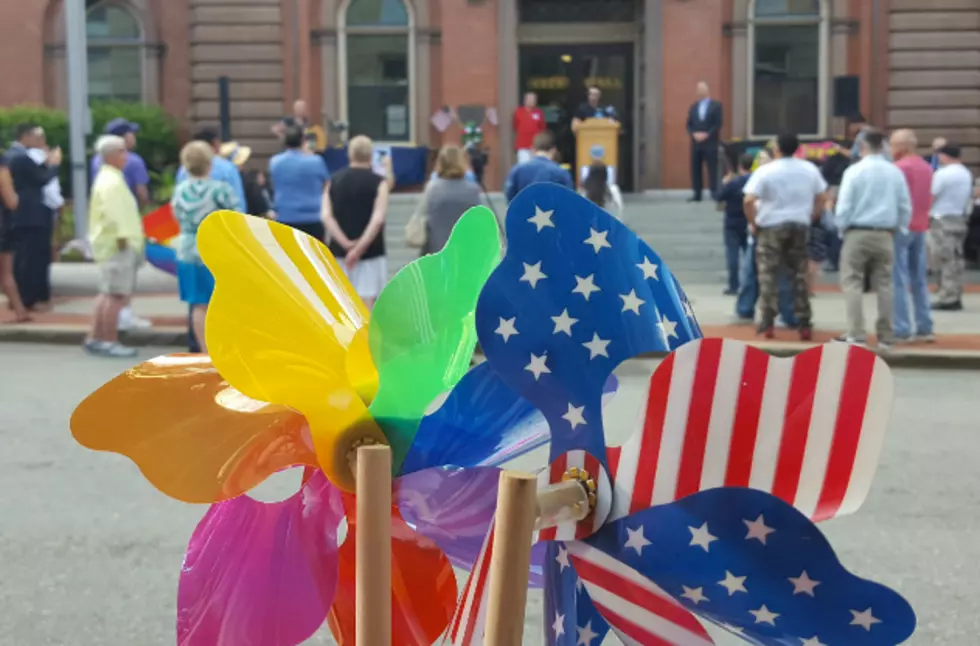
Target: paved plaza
90,553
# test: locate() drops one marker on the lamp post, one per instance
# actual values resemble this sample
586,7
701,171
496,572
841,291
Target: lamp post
79,118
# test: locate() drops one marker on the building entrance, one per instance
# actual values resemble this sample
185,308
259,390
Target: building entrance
561,75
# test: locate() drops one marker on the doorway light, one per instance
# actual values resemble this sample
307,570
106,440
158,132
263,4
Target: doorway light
566,58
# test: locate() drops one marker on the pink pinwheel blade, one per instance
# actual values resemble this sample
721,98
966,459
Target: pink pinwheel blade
261,574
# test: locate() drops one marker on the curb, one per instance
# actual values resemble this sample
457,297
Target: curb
75,335
176,337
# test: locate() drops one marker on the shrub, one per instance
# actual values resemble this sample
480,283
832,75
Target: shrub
158,140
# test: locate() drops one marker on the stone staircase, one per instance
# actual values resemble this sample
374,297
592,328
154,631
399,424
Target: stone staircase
687,236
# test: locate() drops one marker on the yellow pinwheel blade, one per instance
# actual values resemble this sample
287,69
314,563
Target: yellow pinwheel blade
279,325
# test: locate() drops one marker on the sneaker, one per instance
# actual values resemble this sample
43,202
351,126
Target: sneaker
926,338
884,348
730,292
118,351
905,340
843,338
95,347
766,331
806,333
129,321
955,306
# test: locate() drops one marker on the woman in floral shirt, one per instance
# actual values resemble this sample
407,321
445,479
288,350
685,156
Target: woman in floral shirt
195,199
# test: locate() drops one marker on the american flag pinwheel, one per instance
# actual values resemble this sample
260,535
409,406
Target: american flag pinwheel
296,378
708,508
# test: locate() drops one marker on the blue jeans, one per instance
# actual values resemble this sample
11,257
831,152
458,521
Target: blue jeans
910,273
748,294
192,345
736,243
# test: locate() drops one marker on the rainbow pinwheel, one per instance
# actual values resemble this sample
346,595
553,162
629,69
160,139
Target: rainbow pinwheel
293,384
708,509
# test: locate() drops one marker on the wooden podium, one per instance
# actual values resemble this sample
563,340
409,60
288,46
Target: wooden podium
602,132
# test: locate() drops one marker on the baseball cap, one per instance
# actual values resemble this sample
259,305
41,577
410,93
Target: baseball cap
597,152
951,150
120,127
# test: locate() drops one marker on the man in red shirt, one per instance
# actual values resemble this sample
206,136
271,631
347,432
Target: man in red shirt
909,273
528,122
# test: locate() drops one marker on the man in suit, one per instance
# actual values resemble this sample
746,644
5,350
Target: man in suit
704,121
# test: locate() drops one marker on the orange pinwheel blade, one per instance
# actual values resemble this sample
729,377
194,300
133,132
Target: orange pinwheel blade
193,436
279,325
423,586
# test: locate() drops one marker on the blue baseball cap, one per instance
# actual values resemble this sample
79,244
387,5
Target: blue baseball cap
121,127
597,152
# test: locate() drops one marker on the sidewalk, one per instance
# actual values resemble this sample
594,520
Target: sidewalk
957,345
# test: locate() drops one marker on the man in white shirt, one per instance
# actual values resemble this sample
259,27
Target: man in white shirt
952,189
872,205
782,199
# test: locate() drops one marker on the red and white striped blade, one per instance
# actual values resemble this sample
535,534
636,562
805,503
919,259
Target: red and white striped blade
719,413
604,495
641,613
469,620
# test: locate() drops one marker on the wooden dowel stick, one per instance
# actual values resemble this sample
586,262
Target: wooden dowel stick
561,502
511,558
373,574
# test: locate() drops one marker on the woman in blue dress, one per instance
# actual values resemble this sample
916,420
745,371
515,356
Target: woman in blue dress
194,199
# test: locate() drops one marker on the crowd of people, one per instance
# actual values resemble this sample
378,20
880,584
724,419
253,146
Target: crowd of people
880,213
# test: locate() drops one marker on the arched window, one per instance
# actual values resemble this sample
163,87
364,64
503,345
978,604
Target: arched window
376,69
788,50
115,52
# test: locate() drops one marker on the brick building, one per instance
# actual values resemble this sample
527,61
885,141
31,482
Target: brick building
385,66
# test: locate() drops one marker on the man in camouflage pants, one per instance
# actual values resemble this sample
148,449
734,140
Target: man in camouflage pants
782,198
952,187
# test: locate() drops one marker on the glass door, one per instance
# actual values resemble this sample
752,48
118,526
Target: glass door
561,76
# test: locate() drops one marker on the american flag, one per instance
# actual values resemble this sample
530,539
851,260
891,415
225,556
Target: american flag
570,617
742,559
720,413
576,294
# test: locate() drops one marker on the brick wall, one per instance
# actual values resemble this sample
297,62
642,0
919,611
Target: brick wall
467,62
22,51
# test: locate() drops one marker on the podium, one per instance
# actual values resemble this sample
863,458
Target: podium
596,131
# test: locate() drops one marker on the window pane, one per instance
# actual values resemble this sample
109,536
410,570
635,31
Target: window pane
377,86
780,8
787,87
111,22
115,73
578,10
377,12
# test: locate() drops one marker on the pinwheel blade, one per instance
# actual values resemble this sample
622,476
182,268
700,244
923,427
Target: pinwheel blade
261,574
279,325
808,429
482,423
570,617
576,294
744,560
422,334
193,436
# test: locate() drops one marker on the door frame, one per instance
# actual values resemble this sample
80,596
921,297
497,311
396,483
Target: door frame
624,47
646,36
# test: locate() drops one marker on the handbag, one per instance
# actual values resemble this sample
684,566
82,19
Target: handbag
417,227
416,230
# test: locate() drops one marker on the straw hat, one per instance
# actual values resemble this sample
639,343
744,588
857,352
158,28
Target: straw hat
237,154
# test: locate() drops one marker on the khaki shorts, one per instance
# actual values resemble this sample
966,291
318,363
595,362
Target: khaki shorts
119,273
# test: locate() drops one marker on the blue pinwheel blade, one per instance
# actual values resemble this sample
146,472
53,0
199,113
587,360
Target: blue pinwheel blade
744,560
483,422
570,617
576,294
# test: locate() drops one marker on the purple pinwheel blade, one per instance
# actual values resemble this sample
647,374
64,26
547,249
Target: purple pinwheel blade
261,574
570,617
577,294
453,507
742,559
482,423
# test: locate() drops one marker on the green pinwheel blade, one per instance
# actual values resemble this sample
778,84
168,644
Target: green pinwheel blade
422,332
